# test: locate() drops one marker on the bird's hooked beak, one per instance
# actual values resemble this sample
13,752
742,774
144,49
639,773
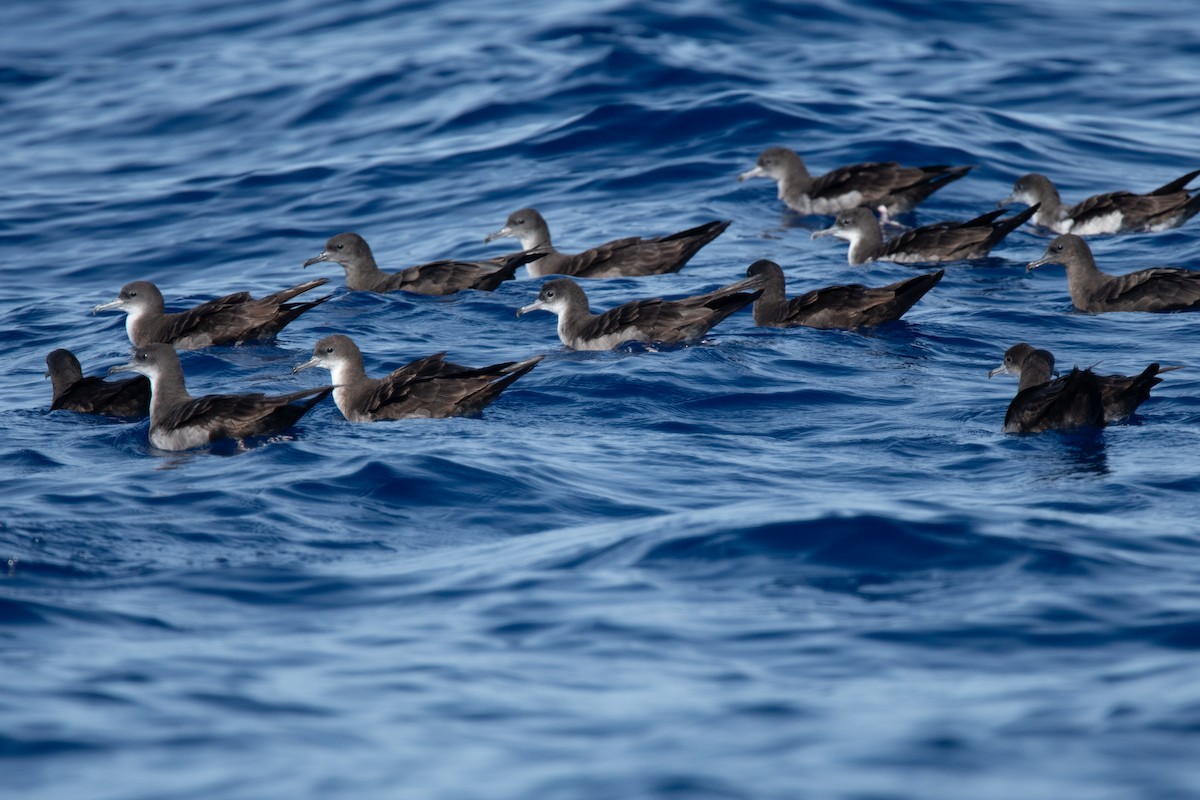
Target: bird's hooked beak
536,305
755,172
500,234
1008,201
1000,370
824,232
1041,262
312,362
122,368
111,304
324,256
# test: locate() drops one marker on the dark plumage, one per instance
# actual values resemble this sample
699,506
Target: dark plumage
942,241
1045,403
1154,289
94,395
1168,206
427,387
1120,394
435,278
179,421
629,257
848,306
650,321
232,319
887,186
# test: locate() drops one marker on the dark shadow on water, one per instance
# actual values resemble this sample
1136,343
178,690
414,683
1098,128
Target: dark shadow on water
1075,454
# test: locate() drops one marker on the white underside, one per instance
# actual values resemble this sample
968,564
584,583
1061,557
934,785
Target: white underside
1109,223
608,342
179,439
825,205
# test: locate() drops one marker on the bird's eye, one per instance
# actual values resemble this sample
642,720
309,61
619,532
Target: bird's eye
328,349
339,246
1058,248
549,294
520,221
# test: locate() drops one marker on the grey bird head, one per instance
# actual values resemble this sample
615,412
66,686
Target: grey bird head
150,360
774,163
329,352
1027,364
556,297
526,225
848,225
63,365
1030,189
133,298
345,249
1064,250
764,268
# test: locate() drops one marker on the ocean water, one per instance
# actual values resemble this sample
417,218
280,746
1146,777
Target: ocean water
777,564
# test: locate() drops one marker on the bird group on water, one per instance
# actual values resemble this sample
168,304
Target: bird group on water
434,387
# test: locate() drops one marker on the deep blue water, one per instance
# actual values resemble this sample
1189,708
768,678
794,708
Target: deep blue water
781,564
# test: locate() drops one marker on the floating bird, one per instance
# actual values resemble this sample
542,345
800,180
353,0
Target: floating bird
942,241
849,306
435,278
428,387
94,395
232,319
1168,206
886,186
1093,291
179,421
1046,403
649,321
1120,394
629,257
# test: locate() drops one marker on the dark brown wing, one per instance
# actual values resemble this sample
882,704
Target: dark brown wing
1067,403
854,305
874,180
635,256
654,314
235,416
1155,289
94,395
1124,393
396,387
946,241
434,387
214,315
1136,209
669,321
448,276
847,298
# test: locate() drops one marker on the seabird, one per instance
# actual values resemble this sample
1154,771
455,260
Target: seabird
649,321
942,241
1168,206
179,421
1046,403
630,257
849,306
887,186
1093,291
94,395
1120,394
429,387
232,319
435,278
